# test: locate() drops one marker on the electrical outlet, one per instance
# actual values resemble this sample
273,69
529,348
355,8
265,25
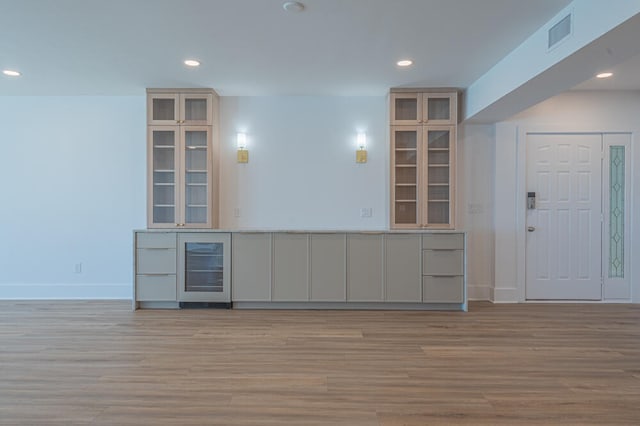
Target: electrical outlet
236,212
78,268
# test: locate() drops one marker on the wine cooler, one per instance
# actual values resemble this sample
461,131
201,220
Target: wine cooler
204,268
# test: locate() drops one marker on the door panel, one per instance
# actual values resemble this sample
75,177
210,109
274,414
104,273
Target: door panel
564,242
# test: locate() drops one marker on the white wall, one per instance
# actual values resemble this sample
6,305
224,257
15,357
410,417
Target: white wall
302,172
73,175
570,112
74,169
474,202
76,173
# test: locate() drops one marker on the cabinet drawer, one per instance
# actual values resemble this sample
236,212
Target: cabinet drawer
156,261
442,262
443,289
156,288
156,240
443,241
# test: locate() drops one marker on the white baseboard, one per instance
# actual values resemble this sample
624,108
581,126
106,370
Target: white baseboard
32,291
504,295
479,292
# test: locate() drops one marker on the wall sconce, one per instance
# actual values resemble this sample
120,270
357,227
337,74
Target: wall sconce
241,143
361,152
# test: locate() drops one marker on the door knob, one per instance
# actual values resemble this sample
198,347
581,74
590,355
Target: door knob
531,228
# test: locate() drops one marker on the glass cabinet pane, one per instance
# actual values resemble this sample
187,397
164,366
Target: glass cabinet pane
195,109
406,109
406,213
438,213
164,151
438,175
204,267
406,173
163,109
196,176
406,139
438,109
438,139
438,182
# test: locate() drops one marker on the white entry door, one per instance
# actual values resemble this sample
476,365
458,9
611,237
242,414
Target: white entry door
564,231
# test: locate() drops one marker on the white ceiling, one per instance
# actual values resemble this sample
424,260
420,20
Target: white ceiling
626,76
254,47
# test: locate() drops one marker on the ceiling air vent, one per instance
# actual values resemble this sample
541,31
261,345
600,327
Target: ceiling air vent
559,31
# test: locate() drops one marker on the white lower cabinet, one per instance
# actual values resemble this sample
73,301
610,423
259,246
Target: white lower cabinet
155,267
403,272
290,268
160,288
251,266
328,264
442,289
443,268
365,278
296,269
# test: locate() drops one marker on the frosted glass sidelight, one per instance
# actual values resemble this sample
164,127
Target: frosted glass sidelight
438,109
616,212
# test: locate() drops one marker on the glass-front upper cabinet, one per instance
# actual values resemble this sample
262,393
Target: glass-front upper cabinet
406,141
439,108
169,108
163,169
423,140
196,202
182,188
406,108
411,108
437,187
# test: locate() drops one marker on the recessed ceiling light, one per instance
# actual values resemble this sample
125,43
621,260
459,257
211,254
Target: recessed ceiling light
404,63
11,73
604,75
293,6
192,63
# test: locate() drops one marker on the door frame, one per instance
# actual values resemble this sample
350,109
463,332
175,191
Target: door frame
521,212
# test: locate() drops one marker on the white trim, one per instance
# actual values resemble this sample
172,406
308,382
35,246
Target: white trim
505,295
479,291
84,291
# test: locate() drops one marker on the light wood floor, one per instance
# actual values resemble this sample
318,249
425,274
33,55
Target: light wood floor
98,363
